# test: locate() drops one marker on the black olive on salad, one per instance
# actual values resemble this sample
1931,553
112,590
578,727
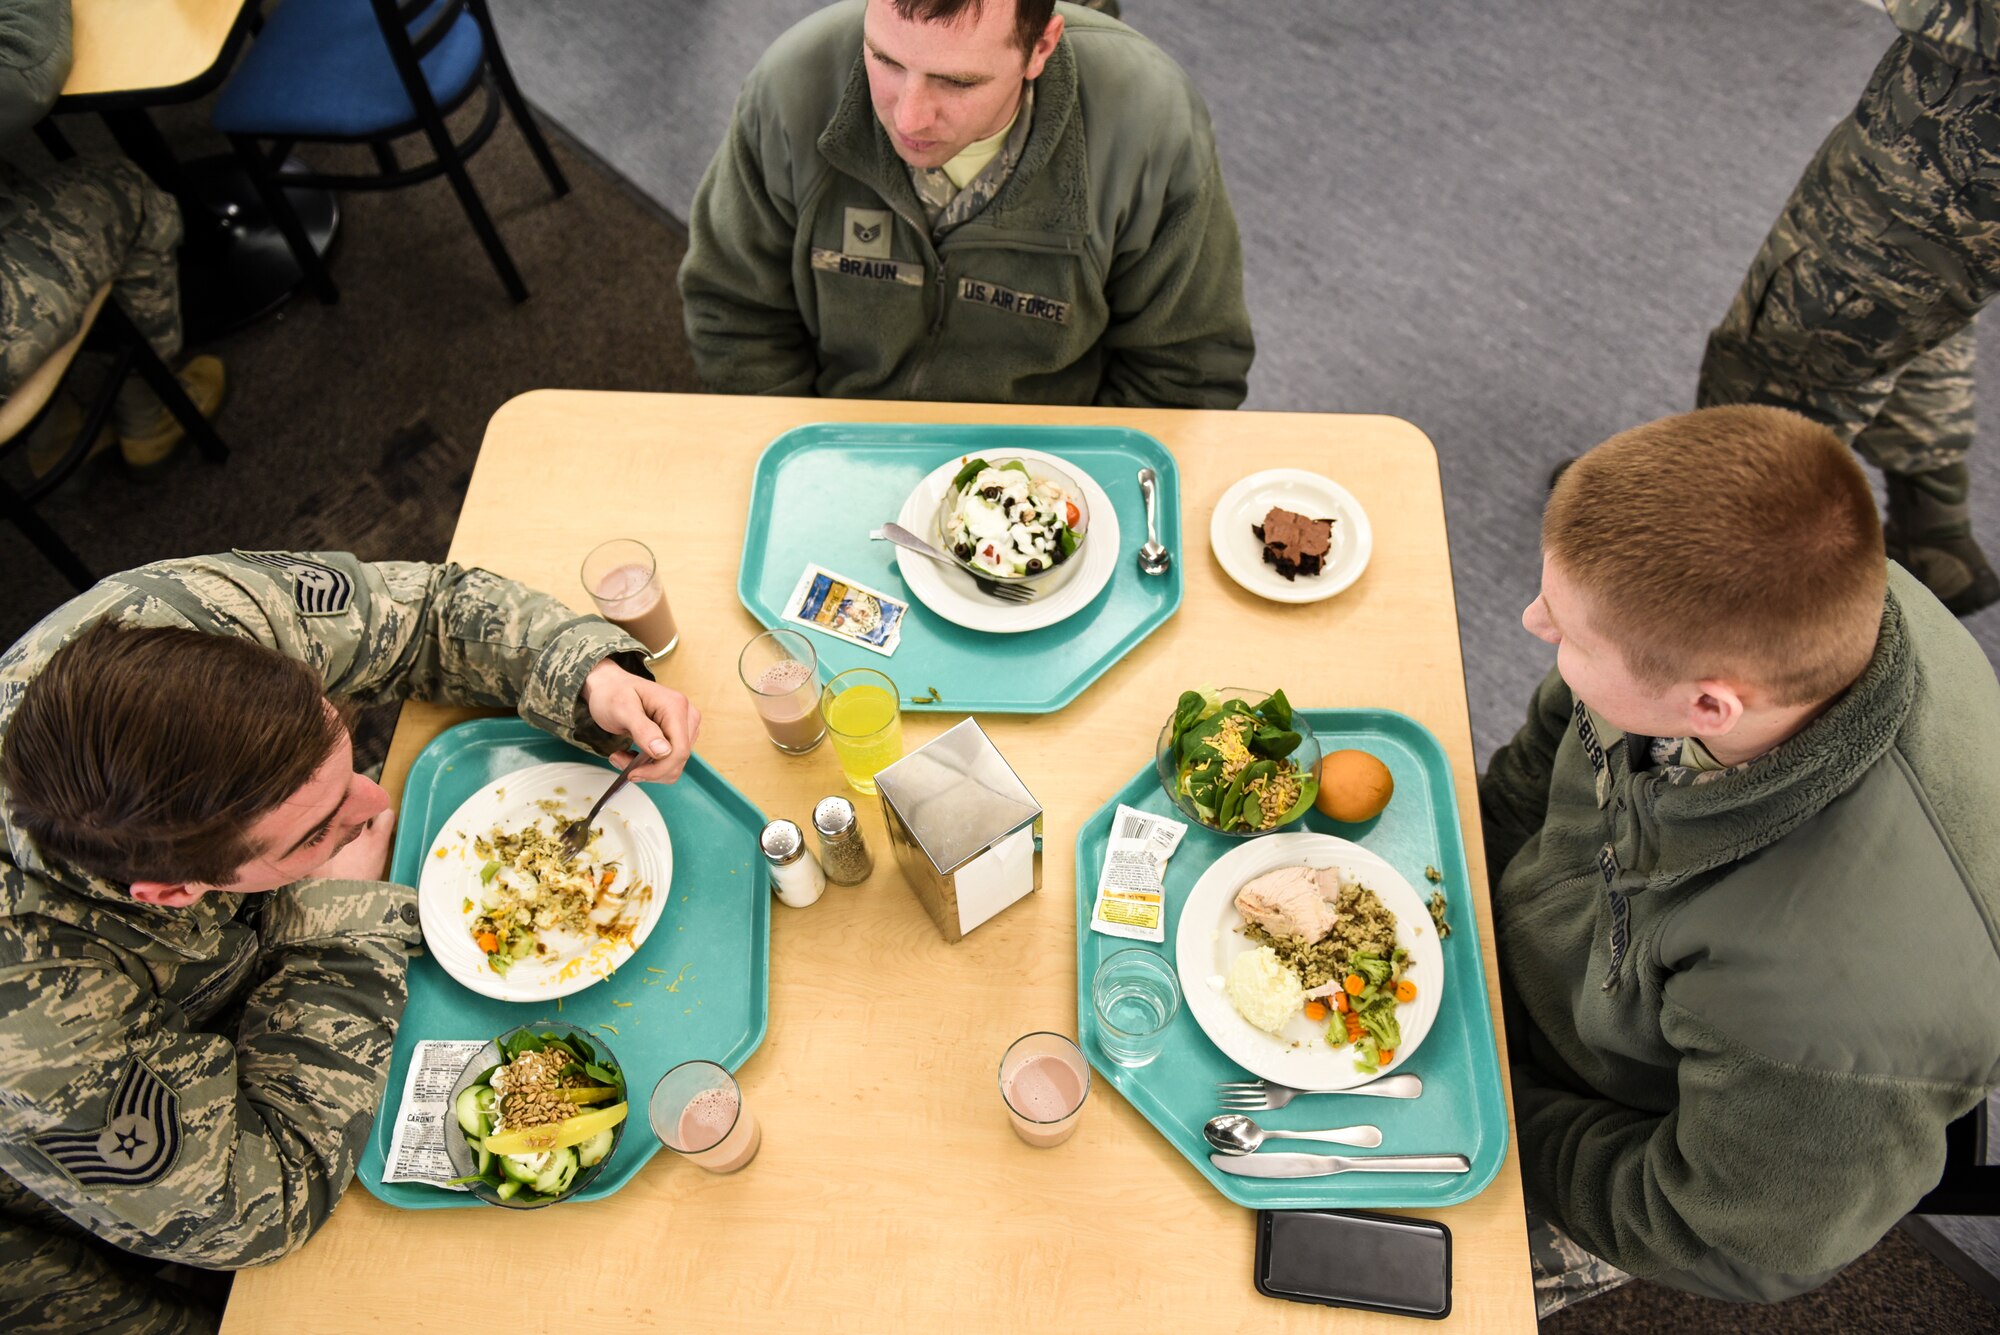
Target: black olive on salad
963,551
1033,565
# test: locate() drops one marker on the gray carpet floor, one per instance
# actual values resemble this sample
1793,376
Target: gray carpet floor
1511,222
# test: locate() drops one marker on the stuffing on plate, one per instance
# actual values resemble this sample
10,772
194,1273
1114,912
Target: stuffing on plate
531,893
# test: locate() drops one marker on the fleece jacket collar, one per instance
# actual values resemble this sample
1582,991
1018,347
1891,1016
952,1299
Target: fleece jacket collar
1676,831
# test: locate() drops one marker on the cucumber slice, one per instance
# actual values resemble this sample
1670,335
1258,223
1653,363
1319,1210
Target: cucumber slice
524,1167
506,1191
591,1153
470,1112
558,1171
484,1155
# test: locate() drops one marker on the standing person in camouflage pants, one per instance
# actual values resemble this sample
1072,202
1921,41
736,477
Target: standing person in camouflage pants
68,231
201,964
1858,310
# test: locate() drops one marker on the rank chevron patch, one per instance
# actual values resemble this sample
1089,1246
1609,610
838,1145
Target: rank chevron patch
136,1146
318,589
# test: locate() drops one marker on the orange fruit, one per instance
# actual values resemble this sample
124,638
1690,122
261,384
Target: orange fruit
1353,786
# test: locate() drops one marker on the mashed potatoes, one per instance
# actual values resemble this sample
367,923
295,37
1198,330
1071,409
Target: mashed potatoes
1263,990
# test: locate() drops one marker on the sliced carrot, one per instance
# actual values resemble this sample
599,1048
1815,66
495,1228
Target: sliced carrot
488,942
605,882
1386,1056
1354,983
1340,1002
1315,1012
1406,990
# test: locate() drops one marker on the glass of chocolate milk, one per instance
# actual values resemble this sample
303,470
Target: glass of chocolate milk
782,672
624,581
1044,1080
697,1111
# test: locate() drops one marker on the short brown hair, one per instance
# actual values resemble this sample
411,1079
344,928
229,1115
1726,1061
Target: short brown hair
146,753
1731,541
1030,16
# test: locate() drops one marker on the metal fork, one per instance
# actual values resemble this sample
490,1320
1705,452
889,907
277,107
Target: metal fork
1264,1095
992,588
577,833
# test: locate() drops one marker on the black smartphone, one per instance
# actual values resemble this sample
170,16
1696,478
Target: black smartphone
1341,1258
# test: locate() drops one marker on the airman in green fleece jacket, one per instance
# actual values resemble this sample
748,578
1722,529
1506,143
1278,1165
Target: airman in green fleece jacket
1748,897
990,206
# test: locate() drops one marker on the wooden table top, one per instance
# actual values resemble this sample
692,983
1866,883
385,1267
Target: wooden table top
129,48
890,1193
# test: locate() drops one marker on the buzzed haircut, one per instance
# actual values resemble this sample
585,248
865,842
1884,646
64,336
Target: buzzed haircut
146,753
1030,16
1736,541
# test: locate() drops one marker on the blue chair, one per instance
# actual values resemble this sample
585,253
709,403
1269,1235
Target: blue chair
373,71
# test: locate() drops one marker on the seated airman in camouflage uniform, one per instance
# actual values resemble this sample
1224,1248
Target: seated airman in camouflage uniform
201,965
68,230
1858,311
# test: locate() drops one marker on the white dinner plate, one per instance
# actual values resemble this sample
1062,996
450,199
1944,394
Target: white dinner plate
1242,555
950,592
1210,938
635,836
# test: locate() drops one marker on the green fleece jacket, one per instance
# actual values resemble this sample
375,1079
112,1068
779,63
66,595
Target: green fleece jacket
1107,270
1743,1011
34,61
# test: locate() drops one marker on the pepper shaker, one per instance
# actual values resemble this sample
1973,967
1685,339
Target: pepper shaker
796,877
842,850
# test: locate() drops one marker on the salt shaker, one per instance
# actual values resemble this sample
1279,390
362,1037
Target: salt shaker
795,873
841,848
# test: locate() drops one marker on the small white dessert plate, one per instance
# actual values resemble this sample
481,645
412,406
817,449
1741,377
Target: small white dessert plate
1241,553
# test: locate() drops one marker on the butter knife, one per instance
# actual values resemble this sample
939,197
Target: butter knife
1321,1165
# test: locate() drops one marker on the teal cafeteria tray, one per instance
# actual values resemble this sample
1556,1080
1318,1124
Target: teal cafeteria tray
821,490
1463,1108
699,987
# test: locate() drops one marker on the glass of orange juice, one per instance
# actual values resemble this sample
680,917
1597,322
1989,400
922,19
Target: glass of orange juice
865,723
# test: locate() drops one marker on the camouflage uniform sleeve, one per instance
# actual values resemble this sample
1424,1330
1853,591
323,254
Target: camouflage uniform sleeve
53,1284
181,1145
394,629
1967,30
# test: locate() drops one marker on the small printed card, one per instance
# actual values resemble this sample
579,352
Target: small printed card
1131,887
416,1145
835,605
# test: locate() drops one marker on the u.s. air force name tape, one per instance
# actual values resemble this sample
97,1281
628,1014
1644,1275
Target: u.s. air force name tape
136,1146
1018,303
907,272
318,589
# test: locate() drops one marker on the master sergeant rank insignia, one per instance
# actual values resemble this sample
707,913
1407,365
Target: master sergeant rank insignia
136,1146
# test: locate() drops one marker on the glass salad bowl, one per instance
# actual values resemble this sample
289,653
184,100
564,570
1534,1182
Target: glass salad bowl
1273,732
986,512
560,1160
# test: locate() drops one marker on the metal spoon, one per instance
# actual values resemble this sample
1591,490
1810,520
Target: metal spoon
1233,1133
1154,559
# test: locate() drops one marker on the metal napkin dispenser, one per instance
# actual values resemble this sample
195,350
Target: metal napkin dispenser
964,828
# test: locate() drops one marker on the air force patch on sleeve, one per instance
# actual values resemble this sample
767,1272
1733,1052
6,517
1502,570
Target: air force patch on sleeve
319,589
136,1146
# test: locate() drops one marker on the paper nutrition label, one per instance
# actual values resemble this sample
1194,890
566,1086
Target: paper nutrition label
1131,886
416,1146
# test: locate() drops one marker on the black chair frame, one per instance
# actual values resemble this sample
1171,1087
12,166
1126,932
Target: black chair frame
113,333
449,156
1970,1185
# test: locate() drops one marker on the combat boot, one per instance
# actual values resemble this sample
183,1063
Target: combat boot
1930,533
147,433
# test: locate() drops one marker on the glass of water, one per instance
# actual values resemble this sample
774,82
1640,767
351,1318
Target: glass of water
1136,996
